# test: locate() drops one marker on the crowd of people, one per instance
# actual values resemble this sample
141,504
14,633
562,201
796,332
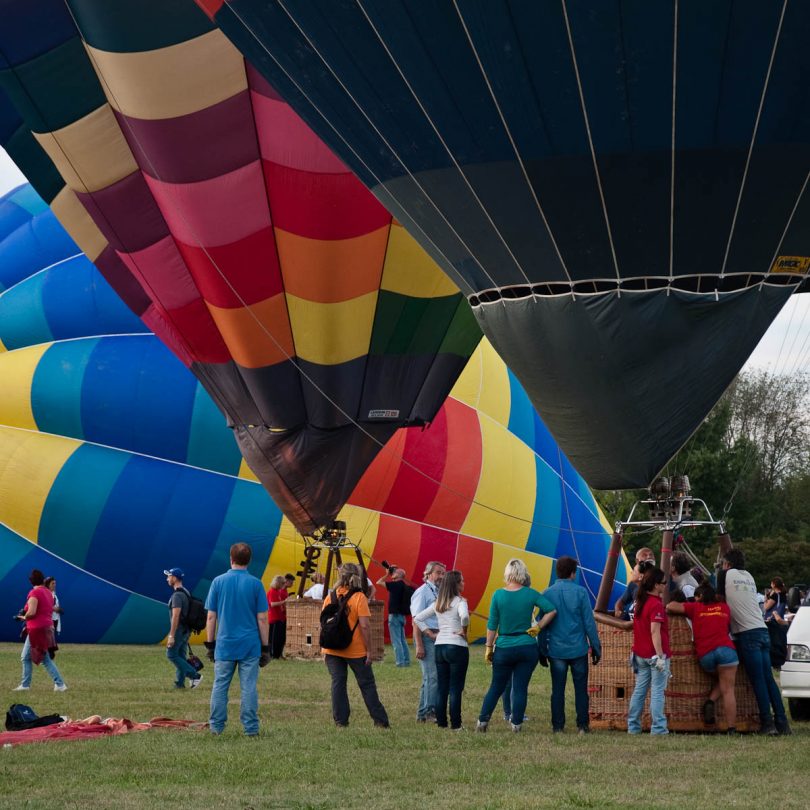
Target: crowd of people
246,628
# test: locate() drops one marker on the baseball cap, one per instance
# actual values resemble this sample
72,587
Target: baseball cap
173,572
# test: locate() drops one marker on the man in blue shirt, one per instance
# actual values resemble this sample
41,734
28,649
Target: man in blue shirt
568,638
424,640
237,636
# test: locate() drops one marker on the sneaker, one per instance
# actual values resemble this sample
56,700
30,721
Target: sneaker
768,730
195,682
515,727
379,724
421,719
481,726
709,714
179,686
60,687
584,730
20,688
731,731
460,728
783,729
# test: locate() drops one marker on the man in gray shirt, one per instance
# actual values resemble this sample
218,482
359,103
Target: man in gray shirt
752,641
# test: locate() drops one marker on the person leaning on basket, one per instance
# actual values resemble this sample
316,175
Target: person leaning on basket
651,653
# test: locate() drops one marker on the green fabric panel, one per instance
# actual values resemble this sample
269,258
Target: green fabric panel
54,89
406,325
125,26
34,163
138,622
464,333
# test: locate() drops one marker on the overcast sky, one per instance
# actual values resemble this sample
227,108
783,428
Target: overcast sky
785,347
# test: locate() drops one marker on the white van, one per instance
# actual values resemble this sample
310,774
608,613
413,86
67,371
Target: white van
795,673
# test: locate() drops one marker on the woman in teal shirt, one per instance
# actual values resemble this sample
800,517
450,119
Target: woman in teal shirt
510,617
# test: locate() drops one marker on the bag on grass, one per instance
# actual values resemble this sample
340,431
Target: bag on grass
19,717
335,631
193,660
197,615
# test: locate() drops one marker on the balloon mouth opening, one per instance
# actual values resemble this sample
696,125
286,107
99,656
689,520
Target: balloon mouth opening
713,285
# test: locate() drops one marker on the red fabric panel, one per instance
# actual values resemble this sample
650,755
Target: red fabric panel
474,558
398,542
417,485
164,330
374,487
210,7
437,544
250,265
462,468
321,206
202,337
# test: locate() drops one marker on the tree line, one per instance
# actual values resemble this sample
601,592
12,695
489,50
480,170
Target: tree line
750,462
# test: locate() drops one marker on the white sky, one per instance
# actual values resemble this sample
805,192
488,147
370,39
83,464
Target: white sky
785,346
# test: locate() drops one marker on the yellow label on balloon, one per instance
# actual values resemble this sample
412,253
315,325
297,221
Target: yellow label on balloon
791,264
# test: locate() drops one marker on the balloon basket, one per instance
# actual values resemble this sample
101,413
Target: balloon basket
611,684
303,629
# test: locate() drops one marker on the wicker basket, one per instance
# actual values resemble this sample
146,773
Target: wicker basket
610,685
303,629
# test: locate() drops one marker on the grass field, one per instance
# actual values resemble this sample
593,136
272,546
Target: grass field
300,760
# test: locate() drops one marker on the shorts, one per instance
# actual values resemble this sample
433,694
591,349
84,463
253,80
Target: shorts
718,657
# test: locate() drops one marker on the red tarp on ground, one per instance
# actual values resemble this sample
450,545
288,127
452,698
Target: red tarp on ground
90,728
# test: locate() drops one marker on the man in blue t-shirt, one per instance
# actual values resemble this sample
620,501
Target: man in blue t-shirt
237,635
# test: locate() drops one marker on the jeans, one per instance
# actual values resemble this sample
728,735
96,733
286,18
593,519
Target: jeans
177,654
559,674
27,666
248,684
278,638
452,661
648,678
428,693
396,629
339,670
517,663
507,701
754,651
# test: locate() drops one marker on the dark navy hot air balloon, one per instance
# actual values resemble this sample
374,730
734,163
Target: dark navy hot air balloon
619,188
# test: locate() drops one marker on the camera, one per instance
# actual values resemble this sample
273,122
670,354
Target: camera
18,617
390,567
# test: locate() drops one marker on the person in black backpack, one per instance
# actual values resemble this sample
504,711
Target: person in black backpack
346,644
179,631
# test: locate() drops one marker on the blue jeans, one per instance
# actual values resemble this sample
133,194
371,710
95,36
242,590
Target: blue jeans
452,661
648,679
517,663
177,654
248,683
396,628
559,674
754,651
428,693
27,666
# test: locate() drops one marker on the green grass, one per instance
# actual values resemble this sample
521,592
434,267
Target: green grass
300,760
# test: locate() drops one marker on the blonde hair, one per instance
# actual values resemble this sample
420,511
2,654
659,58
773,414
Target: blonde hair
516,571
350,576
448,590
277,582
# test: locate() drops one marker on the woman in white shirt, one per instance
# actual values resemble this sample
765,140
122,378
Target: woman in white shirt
452,651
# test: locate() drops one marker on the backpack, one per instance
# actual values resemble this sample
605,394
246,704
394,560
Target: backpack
19,717
335,631
196,616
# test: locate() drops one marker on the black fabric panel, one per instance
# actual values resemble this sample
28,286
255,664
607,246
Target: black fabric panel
439,382
276,394
622,382
224,383
332,393
310,472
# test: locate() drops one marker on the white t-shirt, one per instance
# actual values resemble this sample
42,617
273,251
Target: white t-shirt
315,592
741,598
451,622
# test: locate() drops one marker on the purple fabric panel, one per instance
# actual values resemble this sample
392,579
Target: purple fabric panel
197,146
258,84
126,213
120,279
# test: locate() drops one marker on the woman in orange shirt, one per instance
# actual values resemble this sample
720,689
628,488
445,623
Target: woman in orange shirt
356,656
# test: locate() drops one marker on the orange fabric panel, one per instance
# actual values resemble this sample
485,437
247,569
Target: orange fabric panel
474,560
330,271
245,332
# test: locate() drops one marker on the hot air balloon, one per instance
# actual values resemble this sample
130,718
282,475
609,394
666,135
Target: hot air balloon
115,462
619,188
314,321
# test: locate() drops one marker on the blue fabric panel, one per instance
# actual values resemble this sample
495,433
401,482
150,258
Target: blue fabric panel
23,321
27,198
155,509
78,301
77,500
32,28
521,413
546,447
211,444
56,389
140,620
549,520
12,216
137,395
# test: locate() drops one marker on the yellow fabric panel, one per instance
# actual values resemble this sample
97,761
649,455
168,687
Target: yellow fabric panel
16,376
495,399
2,346
328,334
362,527
246,473
539,569
410,271
288,551
173,81
468,386
90,153
31,462
78,223
508,483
